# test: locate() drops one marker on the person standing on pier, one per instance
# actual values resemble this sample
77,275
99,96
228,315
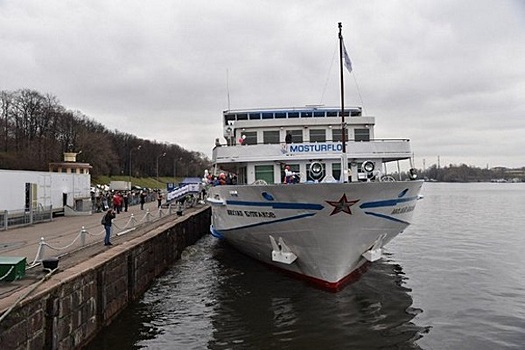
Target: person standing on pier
106,221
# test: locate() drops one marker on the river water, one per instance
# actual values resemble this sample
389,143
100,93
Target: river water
453,280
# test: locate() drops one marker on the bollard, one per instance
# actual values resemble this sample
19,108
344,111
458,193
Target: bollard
147,215
133,220
83,236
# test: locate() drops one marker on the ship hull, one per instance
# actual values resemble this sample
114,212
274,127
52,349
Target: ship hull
327,227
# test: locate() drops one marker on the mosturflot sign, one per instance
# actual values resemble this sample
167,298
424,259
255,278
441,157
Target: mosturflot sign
314,147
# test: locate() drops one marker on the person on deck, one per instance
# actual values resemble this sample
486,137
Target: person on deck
289,176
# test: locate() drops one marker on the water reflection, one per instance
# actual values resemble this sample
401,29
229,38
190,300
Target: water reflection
217,298
264,309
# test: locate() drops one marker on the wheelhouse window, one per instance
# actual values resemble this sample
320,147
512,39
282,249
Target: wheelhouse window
228,118
317,135
362,134
271,136
336,135
251,137
264,172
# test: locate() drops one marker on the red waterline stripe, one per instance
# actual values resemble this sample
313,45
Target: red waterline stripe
334,287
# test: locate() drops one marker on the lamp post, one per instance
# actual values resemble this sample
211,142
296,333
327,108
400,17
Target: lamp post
130,168
159,156
175,160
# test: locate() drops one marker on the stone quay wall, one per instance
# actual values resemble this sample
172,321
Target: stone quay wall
68,310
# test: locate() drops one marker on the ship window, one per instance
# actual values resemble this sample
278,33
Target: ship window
336,135
336,170
271,136
319,114
267,115
280,115
293,114
228,117
306,114
251,137
332,114
242,116
297,135
254,116
293,168
264,172
362,134
317,135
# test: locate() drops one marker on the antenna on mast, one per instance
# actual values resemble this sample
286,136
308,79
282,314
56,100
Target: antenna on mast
228,87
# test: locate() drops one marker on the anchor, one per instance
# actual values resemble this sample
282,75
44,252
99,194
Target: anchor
281,252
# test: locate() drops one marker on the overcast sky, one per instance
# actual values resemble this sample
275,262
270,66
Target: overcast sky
448,74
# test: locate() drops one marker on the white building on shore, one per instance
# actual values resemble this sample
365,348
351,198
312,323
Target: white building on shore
65,188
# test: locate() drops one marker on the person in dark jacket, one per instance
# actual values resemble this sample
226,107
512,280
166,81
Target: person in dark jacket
110,215
142,199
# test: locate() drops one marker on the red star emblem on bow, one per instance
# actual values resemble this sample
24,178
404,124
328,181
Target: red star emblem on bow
342,205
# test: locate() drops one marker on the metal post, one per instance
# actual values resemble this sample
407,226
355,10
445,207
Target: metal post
130,167
41,249
83,236
162,155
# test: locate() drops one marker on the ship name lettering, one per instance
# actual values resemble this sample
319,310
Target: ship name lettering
259,214
235,212
403,210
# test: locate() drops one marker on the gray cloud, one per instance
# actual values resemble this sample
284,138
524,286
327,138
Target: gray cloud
448,75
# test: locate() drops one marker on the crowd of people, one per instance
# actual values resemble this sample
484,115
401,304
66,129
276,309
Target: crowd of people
222,179
119,201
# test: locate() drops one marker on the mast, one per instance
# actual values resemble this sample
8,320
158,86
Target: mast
343,125
344,156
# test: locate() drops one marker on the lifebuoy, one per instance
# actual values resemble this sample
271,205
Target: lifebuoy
316,170
368,166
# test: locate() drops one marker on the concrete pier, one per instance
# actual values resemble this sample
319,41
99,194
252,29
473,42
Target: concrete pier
66,308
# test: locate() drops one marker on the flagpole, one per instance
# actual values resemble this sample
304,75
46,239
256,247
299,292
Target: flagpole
344,156
343,126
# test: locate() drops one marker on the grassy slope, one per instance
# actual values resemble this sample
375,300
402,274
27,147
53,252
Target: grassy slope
149,182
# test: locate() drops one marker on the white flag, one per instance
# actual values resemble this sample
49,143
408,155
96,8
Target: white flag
347,62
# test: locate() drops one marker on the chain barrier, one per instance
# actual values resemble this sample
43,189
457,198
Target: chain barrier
131,223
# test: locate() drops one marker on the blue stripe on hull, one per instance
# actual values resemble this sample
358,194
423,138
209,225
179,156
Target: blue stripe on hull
386,217
386,203
277,205
215,233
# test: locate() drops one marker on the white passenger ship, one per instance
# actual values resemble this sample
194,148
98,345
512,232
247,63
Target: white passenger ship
344,208
322,228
